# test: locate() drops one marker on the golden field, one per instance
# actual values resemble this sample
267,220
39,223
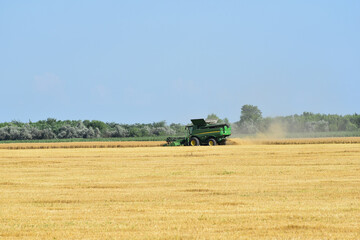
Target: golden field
265,141
240,191
125,144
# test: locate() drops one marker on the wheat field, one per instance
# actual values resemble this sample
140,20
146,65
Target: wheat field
125,144
240,191
131,144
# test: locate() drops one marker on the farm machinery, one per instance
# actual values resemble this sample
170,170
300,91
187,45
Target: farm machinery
202,132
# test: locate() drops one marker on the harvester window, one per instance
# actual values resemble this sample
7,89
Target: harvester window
190,130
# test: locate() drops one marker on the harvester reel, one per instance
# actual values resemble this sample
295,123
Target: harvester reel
170,140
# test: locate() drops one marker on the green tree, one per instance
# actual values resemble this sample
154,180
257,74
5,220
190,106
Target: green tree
250,113
250,119
97,124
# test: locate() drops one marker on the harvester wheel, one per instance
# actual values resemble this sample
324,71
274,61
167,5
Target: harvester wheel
194,141
211,142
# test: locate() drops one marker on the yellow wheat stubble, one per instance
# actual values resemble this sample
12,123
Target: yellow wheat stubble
224,192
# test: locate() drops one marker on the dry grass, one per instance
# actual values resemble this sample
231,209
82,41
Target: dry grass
225,192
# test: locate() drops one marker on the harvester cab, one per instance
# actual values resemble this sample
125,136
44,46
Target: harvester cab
202,132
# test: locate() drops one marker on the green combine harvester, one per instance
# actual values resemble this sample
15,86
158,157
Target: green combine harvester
202,132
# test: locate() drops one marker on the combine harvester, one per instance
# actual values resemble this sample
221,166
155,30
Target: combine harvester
202,132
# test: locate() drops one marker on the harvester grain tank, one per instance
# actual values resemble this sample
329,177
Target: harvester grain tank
202,132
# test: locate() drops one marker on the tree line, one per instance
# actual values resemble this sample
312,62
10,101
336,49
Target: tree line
57,129
251,122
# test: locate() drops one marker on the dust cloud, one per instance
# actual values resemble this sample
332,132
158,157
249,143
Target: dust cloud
275,131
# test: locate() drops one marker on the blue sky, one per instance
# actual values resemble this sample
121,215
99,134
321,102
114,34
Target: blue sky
146,61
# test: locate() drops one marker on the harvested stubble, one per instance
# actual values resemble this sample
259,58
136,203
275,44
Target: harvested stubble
225,192
131,144
81,145
260,141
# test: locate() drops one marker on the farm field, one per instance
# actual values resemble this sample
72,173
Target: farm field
70,140
140,143
121,144
241,191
